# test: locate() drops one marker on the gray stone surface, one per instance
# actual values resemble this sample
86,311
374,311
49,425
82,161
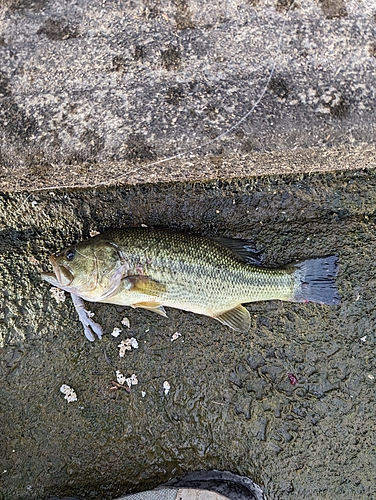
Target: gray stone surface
106,95
91,89
231,405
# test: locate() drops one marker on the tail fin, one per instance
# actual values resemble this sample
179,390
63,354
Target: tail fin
314,281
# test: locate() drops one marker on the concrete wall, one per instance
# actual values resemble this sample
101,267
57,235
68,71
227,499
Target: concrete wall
94,92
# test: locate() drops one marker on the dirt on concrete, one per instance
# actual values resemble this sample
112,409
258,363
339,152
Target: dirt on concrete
221,118
95,93
231,404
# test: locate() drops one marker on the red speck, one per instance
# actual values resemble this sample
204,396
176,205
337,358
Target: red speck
292,378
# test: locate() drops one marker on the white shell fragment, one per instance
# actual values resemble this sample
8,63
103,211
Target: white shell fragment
175,336
125,321
166,387
70,394
93,233
132,380
57,294
120,378
116,332
126,345
134,343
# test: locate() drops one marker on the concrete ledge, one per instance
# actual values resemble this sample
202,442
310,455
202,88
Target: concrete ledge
89,90
194,169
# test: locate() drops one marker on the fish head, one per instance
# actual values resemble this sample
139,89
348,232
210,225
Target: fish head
91,269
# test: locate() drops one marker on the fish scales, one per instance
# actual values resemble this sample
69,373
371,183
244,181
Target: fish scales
150,269
198,272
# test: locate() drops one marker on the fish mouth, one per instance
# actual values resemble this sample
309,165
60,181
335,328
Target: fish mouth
62,275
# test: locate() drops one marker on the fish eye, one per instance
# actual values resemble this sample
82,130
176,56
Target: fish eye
70,253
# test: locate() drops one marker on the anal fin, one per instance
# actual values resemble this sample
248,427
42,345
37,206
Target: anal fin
238,319
155,307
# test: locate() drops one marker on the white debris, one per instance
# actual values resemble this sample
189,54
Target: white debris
175,336
363,339
143,394
166,387
134,343
126,345
116,332
120,378
144,225
70,394
94,233
125,321
370,376
132,380
57,294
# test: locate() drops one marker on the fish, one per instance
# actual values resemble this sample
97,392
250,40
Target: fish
155,268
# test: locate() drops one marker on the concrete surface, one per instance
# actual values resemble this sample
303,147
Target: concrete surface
231,405
91,91
94,97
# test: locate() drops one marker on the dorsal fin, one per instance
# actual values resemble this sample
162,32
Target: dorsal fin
243,249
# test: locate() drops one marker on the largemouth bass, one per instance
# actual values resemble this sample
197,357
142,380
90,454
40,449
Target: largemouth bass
151,269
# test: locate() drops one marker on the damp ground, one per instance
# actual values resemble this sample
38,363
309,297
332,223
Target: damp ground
231,404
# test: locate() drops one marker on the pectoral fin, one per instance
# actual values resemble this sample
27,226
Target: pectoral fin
145,285
152,306
238,319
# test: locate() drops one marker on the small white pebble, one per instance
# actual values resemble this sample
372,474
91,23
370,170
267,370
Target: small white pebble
371,377
70,394
166,387
125,321
363,339
144,225
116,332
143,394
175,336
34,203
120,377
148,330
57,294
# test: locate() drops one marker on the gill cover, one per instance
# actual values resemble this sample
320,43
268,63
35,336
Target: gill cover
92,269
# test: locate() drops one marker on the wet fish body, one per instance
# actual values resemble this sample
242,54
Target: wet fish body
151,269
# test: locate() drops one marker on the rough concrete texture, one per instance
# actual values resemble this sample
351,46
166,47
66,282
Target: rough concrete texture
92,91
231,405
97,94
